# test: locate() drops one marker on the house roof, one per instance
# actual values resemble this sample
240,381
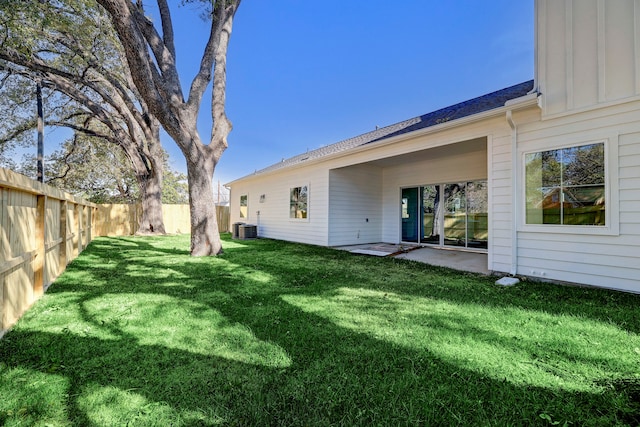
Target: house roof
473,106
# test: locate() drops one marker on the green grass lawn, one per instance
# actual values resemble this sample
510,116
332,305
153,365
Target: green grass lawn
136,332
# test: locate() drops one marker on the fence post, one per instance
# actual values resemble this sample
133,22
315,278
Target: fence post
78,243
80,228
39,259
63,234
4,253
89,224
4,225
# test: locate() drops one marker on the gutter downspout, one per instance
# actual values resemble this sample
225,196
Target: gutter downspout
514,187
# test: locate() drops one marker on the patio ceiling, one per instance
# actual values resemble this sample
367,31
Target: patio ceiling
477,144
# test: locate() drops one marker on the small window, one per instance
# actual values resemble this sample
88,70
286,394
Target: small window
298,202
566,186
244,206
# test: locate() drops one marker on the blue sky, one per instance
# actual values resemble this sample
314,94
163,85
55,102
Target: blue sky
302,74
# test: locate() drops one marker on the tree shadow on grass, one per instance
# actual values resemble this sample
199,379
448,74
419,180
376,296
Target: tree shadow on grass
345,379
287,345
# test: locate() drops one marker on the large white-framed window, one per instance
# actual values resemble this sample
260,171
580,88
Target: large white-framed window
299,202
244,206
568,189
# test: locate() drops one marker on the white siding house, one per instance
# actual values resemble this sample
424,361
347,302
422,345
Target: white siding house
543,176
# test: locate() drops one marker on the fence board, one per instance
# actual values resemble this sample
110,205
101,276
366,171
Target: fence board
4,224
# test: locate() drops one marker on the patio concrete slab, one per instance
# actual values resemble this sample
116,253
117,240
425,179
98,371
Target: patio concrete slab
475,262
376,249
370,252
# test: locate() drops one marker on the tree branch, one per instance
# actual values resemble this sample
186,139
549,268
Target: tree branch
203,78
167,27
134,145
221,124
23,128
144,73
65,160
107,78
169,83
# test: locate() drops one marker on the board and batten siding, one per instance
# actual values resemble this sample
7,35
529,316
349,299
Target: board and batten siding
355,205
609,260
588,53
273,219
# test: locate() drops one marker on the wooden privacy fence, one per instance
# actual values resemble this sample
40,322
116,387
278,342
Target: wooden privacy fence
42,229
224,219
123,220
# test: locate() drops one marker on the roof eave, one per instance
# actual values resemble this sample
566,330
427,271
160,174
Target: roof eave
519,103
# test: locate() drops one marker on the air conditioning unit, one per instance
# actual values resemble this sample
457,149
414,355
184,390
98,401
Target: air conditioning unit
247,231
235,231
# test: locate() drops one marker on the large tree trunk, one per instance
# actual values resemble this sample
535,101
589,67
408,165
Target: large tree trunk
152,221
205,236
148,165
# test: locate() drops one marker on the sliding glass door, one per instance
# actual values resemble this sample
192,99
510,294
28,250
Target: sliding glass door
431,229
451,214
477,221
455,215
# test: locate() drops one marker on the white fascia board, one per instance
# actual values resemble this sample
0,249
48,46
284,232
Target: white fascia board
522,102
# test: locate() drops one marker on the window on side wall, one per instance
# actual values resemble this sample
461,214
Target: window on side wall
567,187
244,206
298,202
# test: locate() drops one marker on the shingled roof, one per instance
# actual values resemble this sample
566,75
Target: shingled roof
473,106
